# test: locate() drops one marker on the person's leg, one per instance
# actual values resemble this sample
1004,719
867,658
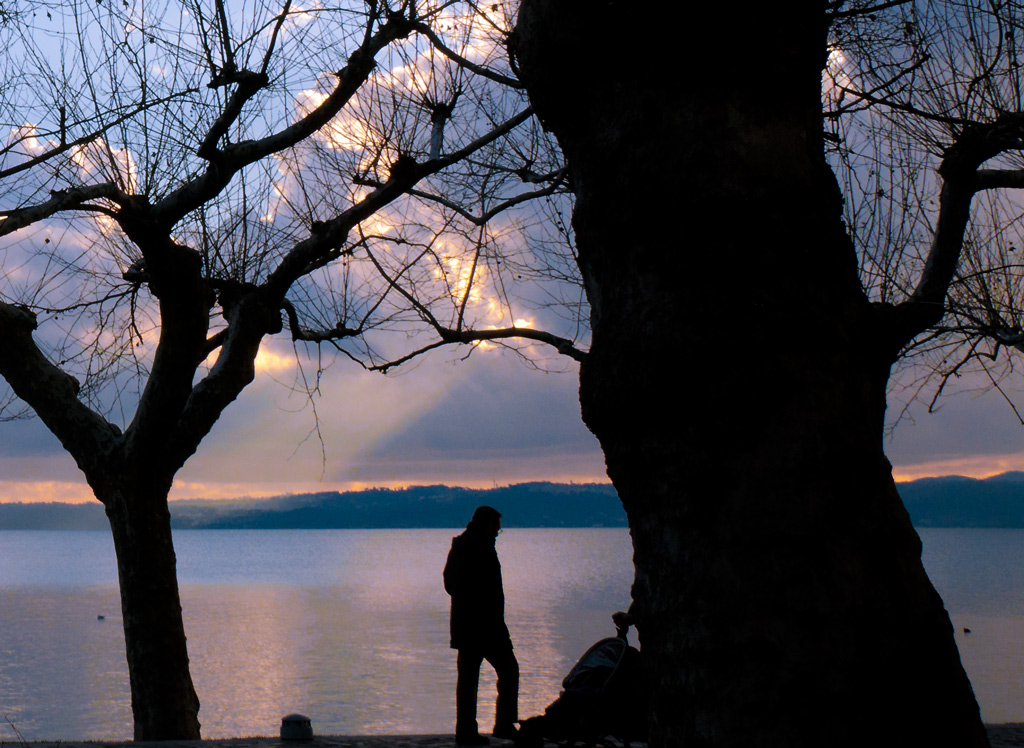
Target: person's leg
466,731
506,713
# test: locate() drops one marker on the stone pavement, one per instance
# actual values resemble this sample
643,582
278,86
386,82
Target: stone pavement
1006,736
320,741
1001,736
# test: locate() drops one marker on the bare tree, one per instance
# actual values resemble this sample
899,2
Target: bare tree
923,102
779,591
183,181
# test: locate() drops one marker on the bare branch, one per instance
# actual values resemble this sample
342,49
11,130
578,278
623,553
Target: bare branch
249,84
273,36
50,392
994,179
448,336
91,136
455,57
235,157
298,332
60,200
558,182
904,107
331,234
853,12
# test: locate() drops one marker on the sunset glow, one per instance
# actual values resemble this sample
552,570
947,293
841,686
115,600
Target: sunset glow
969,466
269,361
78,492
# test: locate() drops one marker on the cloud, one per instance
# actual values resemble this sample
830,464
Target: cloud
72,492
973,431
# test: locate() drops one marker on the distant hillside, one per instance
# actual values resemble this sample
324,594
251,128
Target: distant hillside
53,516
523,505
955,501
932,502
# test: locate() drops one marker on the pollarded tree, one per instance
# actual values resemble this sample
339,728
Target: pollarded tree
914,98
779,589
182,182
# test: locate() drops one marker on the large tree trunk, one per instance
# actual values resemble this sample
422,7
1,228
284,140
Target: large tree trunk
736,383
164,701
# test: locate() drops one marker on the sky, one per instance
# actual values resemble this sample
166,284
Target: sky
973,432
489,420
486,421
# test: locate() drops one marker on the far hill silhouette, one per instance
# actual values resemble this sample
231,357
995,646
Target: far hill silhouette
524,505
952,501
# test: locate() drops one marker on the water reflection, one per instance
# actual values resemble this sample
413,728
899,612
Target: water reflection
361,640
348,627
62,669
351,627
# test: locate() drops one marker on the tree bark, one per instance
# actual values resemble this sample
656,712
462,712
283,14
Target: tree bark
164,701
736,382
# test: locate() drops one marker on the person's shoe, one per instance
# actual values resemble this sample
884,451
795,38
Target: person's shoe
474,739
505,732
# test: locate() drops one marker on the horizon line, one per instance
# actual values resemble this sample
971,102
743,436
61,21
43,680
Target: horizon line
46,492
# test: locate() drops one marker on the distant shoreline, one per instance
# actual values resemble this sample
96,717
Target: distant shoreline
952,501
421,507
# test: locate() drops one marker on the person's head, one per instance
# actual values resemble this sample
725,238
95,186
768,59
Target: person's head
486,520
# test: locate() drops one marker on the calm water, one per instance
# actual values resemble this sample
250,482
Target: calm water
350,627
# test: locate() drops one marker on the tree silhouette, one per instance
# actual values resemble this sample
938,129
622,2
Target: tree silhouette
182,182
779,592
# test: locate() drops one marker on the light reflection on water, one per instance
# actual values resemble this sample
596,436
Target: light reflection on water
351,627
348,627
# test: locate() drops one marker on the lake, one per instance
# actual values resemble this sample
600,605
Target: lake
350,627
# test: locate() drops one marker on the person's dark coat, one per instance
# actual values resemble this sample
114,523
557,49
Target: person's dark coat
472,576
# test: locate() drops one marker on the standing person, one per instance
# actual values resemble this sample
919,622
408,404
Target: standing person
472,577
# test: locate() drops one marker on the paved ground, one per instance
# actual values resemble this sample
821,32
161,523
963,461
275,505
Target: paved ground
1004,736
1001,736
321,741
